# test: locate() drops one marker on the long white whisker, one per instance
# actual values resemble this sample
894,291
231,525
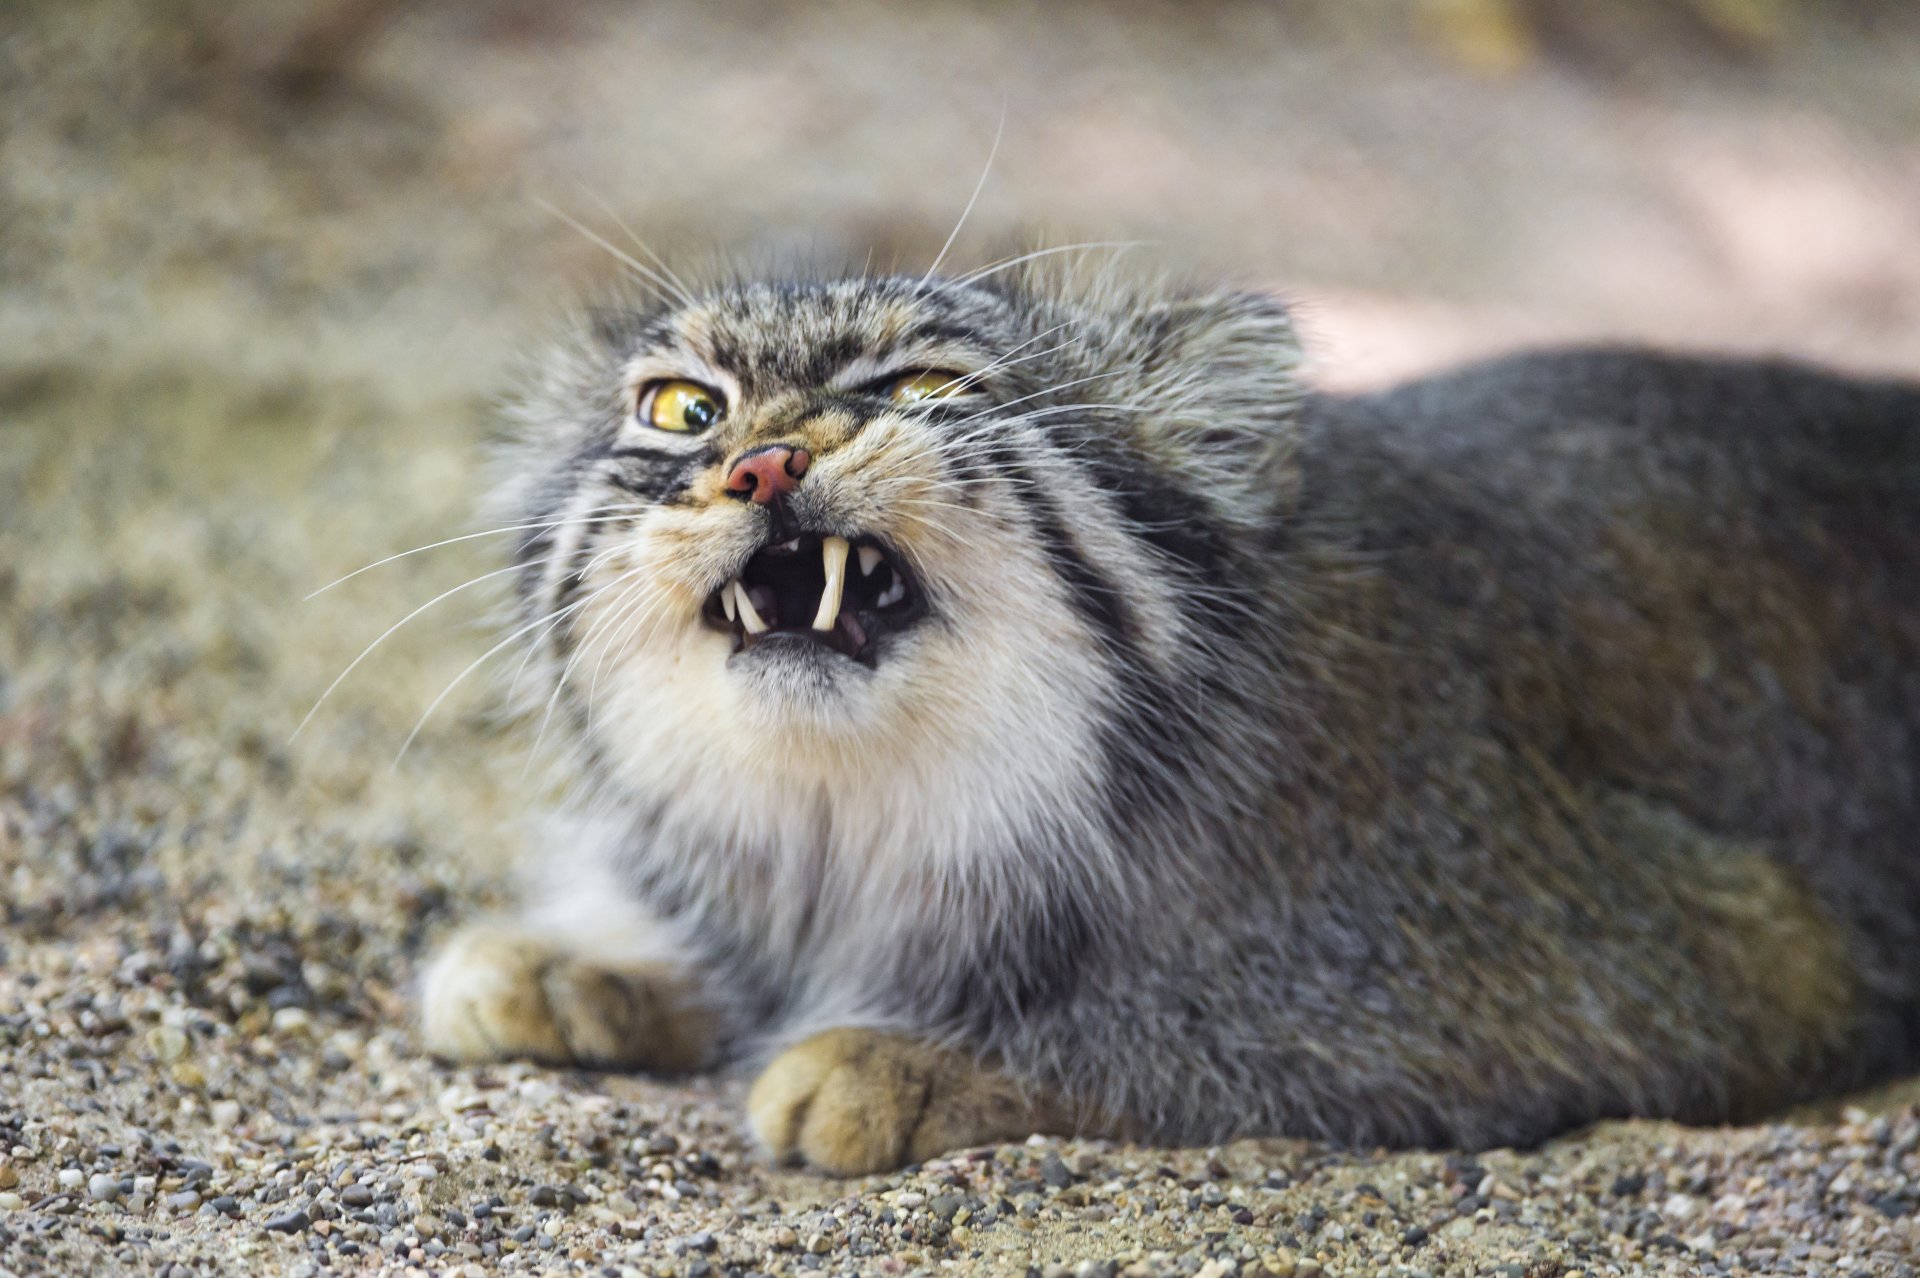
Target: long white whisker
627,259
1007,264
680,288
474,665
388,632
985,169
596,513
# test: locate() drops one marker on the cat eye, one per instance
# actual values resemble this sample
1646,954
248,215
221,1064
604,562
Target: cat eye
686,407
935,383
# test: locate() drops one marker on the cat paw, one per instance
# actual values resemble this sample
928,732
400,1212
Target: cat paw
500,994
852,1101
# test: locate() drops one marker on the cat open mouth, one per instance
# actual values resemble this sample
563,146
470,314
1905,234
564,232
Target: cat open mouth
843,595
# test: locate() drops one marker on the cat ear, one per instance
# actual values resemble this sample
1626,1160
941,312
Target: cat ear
1216,382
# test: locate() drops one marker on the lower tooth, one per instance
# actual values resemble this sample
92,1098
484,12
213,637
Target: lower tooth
891,595
749,616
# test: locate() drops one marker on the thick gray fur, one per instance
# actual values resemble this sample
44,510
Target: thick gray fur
1522,745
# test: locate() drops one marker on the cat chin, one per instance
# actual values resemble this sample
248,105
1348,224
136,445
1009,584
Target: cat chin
792,681
794,665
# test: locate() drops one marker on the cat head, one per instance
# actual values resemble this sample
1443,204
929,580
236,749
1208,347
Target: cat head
824,530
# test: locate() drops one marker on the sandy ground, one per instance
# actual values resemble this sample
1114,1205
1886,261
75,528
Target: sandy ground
247,343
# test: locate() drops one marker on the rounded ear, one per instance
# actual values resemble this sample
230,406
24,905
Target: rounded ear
1218,389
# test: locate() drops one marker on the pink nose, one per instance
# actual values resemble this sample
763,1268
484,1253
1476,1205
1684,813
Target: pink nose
768,472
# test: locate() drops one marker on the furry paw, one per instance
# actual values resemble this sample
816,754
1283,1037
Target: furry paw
852,1101
496,993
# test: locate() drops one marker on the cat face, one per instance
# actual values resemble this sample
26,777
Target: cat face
914,527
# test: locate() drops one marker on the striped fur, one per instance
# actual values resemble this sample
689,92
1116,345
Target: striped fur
1266,761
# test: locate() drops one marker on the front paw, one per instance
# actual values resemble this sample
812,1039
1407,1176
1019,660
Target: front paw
853,1101
495,993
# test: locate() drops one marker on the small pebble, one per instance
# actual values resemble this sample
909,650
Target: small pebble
287,1223
102,1187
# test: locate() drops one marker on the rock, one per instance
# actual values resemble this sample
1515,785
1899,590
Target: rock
11,1202
8,1176
185,1200
102,1187
356,1196
168,1042
1679,1207
71,1178
291,1222
1055,1172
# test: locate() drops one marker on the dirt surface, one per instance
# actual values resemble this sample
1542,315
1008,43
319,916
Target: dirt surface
254,301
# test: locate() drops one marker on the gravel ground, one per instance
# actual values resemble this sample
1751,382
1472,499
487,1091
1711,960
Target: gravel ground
246,343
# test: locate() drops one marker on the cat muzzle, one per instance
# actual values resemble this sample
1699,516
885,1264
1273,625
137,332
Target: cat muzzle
842,594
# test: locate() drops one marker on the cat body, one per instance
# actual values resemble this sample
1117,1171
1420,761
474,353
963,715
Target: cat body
1194,754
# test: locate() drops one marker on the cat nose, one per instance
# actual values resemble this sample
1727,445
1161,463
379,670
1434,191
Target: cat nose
773,470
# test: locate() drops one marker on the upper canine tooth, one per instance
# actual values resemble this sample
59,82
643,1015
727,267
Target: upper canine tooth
749,617
833,557
869,560
726,599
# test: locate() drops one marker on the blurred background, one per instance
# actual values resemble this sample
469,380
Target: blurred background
353,188
265,266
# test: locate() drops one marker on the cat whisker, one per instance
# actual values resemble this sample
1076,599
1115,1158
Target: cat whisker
626,259
629,507
1007,264
460,678
390,630
978,186
680,289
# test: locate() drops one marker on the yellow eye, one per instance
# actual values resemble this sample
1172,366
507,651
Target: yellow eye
680,406
933,384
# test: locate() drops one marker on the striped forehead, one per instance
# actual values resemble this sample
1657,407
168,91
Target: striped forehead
771,337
